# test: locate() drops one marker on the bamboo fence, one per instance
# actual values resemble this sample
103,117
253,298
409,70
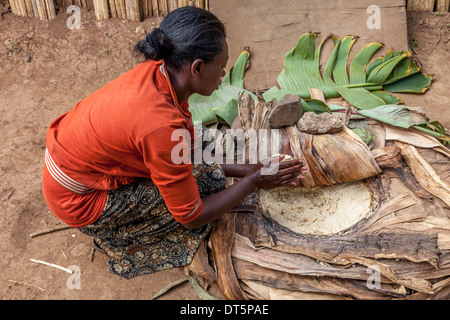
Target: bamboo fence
134,10
137,10
428,5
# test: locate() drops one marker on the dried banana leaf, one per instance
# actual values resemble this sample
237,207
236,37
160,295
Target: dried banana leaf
222,239
404,240
330,158
425,174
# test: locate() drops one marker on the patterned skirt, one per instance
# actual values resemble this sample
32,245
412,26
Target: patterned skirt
138,233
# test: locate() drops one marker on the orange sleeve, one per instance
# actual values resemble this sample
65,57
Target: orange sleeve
166,153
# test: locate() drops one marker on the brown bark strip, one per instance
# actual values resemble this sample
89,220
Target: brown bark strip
222,239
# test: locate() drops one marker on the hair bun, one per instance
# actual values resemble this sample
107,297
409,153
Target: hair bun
156,45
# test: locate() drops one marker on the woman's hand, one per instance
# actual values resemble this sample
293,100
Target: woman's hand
262,175
275,173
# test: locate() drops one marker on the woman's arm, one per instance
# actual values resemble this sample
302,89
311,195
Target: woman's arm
237,170
215,205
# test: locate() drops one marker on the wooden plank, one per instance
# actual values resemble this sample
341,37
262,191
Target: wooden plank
272,28
421,5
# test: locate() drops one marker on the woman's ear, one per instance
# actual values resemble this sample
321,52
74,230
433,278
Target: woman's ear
197,67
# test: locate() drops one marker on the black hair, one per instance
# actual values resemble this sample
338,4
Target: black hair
185,34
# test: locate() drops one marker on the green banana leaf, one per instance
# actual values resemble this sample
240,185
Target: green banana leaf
396,115
368,84
222,105
407,117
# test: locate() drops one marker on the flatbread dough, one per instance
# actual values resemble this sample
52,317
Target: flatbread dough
318,210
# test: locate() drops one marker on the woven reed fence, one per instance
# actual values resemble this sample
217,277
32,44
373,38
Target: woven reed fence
428,5
135,10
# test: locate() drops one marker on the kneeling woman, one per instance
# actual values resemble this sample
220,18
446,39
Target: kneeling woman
108,169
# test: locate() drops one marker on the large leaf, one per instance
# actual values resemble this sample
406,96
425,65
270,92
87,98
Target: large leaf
362,87
222,105
396,115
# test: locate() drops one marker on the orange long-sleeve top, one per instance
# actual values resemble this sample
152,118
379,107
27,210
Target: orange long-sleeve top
114,136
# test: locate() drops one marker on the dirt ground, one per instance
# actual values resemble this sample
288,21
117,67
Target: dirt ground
45,68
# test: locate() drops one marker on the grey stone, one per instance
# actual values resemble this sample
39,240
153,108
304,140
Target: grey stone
286,112
319,123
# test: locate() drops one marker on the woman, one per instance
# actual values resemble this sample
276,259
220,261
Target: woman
108,169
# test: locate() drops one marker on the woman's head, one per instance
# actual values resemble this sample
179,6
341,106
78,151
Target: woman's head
185,34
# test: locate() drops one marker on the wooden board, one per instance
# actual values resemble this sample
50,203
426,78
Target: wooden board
272,28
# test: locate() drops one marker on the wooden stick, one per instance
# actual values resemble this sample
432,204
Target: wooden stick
51,9
421,5
29,8
149,8
128,9
437,42
442,5
26,284
35,9
155,8
136,10
182,3
101,10
144,9
46,9
22,8
49,231
51,265
121,11
91,258
13,4
172,5
90,4
41,9
199,3
133,12
112,7
207,5
168,287
162,6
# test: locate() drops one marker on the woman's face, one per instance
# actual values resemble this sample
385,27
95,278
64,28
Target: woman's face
211,73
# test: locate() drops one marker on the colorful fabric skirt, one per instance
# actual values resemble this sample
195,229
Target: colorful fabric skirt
138,233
